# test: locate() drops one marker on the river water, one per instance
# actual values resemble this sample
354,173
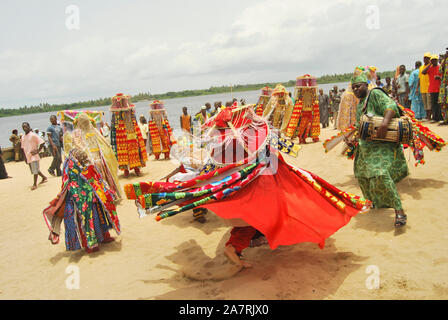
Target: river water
173,107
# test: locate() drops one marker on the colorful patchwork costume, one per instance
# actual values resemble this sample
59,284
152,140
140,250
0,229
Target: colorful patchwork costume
253,187
85,204
87,138
305,118
160,132
126,138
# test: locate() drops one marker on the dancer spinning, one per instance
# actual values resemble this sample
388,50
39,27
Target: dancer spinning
253,188
126,138
85,204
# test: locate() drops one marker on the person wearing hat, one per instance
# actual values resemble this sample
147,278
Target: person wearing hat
201,116
424,85
378,165
432,70
443,96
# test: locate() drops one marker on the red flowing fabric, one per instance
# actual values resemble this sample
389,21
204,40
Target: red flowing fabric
285,208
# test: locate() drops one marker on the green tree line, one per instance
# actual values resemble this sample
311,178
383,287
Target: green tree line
45,107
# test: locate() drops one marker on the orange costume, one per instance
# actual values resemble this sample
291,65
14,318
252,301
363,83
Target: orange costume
126,138
305,118
160,132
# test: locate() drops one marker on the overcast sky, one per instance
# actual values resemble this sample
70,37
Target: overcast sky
159,46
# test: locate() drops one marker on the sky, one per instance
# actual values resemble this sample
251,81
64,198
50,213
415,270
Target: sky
59,51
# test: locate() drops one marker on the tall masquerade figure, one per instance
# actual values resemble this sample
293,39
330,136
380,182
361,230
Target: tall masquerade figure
86,137
160,132
126,138
85,204
263,101
305,119
251,186
279,108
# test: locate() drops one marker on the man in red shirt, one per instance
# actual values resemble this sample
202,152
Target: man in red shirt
434,84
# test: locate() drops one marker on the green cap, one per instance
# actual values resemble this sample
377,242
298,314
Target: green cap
359,78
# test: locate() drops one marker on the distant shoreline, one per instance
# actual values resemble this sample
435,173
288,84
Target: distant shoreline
45,107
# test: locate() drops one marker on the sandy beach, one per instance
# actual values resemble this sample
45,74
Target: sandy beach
178,258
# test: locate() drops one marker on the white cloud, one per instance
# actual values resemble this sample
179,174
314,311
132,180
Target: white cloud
264,41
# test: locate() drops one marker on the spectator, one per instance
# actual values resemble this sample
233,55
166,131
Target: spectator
15,139
403,87
32,144
424,85
414,94
432,70
54,132
185,121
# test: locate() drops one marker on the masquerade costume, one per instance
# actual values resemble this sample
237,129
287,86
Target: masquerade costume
279,109
305,119
81,133
126,138
250,184
85,204
160,132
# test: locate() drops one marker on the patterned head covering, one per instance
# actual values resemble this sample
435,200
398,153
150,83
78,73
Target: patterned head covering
359,78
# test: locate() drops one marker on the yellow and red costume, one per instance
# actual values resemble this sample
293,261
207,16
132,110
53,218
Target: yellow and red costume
279,108
305,118
126,138
160,132
263,101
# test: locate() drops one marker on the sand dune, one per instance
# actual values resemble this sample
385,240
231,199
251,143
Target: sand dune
178,258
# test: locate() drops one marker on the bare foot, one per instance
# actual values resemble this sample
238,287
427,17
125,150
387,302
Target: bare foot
230,252
33,187
43,181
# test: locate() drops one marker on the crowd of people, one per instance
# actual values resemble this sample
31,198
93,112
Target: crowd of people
424,89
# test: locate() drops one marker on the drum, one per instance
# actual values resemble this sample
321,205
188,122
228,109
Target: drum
398,131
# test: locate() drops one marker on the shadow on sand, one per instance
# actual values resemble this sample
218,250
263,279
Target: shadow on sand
301,271
76,256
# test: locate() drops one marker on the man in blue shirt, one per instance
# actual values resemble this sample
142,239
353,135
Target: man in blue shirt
54,133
